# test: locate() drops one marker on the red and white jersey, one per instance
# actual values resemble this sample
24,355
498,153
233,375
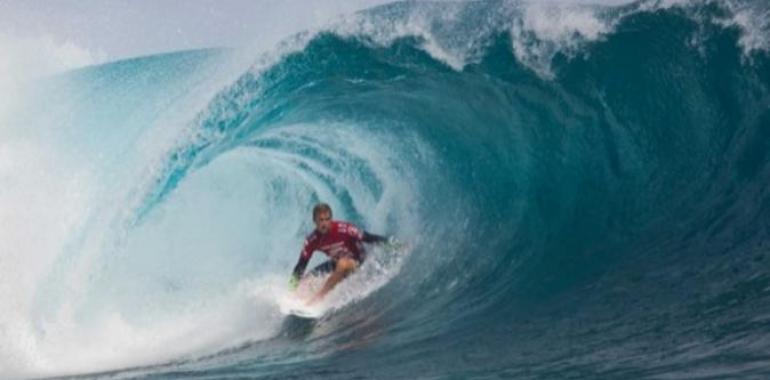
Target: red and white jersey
342,240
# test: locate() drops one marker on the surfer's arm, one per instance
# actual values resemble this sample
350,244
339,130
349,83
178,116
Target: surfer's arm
372,238
299,269
304,258
359,234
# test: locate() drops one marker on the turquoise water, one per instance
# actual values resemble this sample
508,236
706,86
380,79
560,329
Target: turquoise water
583,189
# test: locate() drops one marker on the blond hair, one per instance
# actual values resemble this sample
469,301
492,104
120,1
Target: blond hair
321,208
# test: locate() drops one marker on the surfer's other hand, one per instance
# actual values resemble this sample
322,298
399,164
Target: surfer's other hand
293,283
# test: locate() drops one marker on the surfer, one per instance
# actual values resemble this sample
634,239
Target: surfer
340,241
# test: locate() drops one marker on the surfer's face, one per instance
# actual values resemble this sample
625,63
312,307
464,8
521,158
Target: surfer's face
322,222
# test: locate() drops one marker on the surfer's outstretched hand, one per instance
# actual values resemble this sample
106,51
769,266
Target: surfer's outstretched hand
393,243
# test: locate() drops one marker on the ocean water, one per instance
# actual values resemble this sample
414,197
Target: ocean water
583,188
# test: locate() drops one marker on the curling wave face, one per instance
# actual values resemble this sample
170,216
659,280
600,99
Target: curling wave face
583,188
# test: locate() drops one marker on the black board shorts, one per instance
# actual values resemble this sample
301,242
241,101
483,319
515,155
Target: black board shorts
329,266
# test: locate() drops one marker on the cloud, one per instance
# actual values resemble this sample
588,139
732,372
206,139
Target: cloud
26,58
31,57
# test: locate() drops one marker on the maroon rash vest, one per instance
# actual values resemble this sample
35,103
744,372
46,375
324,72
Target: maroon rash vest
342,240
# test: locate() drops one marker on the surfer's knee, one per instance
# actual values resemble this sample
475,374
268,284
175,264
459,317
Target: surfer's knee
346,265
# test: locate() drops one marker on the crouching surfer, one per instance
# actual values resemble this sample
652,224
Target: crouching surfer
341,242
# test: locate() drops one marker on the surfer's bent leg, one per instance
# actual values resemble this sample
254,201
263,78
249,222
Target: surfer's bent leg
344,267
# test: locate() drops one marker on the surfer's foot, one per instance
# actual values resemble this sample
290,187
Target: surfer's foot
313,301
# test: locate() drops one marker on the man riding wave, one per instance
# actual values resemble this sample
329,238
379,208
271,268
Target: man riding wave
341,242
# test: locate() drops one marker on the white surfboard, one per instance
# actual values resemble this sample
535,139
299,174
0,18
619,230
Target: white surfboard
297,307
